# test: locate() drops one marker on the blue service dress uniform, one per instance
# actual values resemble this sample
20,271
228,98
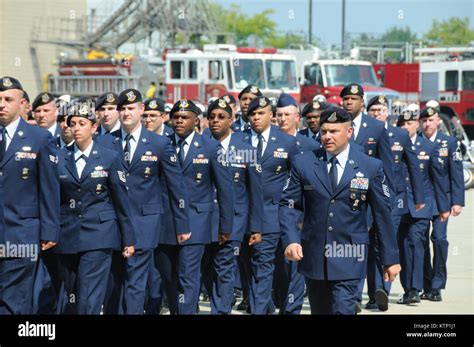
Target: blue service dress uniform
219,263
435,273
404,158
335,219
95,219
154,160
29,187
275,165
288,283
202,171
413,224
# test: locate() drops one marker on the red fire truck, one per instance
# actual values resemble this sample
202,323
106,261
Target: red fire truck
443,74
220,69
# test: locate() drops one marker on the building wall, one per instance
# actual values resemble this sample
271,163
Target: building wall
16,26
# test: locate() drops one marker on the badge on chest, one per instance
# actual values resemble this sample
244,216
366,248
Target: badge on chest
358,191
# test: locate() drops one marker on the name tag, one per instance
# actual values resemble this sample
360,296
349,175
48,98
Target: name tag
308,187
25,155
99,174
240,166
423,157
361,183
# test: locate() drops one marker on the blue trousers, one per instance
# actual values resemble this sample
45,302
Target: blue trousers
114,302
436,273
411,242
16,285
332,297
262,258
47,284
138,270
154,291
189,277
218,269
166,261
288,283
91,270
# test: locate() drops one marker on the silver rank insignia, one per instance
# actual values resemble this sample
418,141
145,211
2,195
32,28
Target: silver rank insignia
278,169
25,173
258,167
147,172
236,177
121,176
98,189
198,177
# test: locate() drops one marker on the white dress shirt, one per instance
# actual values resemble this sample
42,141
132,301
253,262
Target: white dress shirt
187,143
356,122
80,162
10,131
265,134
133,140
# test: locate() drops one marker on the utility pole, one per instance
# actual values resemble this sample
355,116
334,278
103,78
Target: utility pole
343,33
310,22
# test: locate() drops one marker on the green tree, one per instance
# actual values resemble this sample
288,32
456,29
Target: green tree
453,31
397,34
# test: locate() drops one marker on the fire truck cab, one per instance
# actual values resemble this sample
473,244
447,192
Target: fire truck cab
221,69
328,77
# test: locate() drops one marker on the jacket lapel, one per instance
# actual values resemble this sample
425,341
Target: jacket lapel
90,165
192,151
16,142
271,145
363,131
70,163
321,170
142,146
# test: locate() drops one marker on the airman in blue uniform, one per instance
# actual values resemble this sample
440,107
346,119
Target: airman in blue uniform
404,158
220,256
148,159
275,152
95,213
288,283
413,224
153,117
334,186
106,104
312,113
450,158
202,171
246,95
30,207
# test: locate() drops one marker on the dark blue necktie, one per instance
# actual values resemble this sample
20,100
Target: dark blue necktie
260,146
333,172
127,153
3,144
181,154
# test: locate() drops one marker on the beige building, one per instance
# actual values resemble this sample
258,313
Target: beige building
22,20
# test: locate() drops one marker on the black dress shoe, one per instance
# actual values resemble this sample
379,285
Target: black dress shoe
243,305
424,296
403,300
371,305
381,298
413,296
435,295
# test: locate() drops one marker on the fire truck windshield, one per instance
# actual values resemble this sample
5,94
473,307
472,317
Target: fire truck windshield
341,75
281,74
249,71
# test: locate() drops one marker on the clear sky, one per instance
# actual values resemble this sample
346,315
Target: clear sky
362,16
